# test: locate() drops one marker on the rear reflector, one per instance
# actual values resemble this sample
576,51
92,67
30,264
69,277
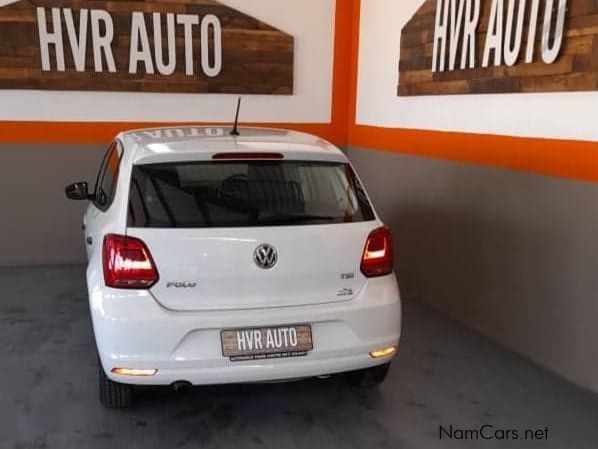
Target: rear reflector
128,263
384,352
377,259
243,156
134,372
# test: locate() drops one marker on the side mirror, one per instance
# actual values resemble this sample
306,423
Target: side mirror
77,191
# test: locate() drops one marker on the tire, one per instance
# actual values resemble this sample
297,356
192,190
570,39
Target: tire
369,377
114,394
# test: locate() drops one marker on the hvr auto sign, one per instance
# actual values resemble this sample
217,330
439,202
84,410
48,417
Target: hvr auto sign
141,56
150,46
458,20
461,47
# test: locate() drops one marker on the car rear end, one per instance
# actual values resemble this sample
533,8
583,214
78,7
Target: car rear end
244,266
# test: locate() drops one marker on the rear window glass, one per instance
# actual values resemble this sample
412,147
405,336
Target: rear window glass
245,193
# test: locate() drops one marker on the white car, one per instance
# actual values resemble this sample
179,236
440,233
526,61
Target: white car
215,258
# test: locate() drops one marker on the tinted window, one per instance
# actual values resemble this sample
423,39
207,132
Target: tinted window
247,193
106,182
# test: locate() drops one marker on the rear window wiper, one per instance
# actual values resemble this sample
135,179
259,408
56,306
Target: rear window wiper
294,218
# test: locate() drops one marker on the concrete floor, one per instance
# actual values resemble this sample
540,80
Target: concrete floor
445,375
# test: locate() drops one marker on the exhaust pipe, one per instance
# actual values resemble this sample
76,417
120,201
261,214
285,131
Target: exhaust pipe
181,386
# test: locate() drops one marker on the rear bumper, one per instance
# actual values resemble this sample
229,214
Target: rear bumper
133,331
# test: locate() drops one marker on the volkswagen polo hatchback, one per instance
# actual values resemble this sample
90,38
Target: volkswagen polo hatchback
215,258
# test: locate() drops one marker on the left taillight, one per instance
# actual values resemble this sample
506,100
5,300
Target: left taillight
128,263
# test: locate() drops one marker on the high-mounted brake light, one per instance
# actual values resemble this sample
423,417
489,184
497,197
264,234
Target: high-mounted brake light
128,263
242,156
377,259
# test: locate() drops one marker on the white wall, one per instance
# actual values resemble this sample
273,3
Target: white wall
553,115
311,22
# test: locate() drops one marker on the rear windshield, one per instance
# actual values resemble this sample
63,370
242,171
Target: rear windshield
245,193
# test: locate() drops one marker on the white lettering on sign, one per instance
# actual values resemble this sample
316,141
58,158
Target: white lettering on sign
457,22
494,36
211,22
270,340
455,30
551,52
283,337
188,21
472,17
102,43
78,41
440,36
293,336
249,340
531,35
241,342
100,25
464,17
512,51
139,38
46,39
169,67
257,339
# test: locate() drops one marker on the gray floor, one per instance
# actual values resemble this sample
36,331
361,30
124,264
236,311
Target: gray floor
445,375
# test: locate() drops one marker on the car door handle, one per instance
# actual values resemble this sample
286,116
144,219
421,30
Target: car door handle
89,240
83,226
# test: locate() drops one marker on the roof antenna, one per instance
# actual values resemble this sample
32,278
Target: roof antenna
235,131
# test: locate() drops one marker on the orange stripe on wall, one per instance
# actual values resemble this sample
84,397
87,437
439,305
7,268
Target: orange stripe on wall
562,158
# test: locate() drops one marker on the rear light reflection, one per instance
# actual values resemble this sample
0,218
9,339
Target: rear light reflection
384,352
134,372
128,263
377,259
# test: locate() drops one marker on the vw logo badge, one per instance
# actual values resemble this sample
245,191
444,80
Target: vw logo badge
265,256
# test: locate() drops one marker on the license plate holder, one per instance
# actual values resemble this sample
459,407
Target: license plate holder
266,342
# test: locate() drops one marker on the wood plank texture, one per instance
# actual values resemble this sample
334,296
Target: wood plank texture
256,58
576,68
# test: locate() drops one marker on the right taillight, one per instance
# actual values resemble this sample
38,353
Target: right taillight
377,259
128,263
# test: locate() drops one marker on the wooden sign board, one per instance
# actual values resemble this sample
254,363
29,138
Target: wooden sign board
191,46
500,46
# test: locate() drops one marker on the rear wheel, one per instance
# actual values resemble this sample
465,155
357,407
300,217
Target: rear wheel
369,377
114,394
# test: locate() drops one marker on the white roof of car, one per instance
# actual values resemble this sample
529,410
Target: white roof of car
193,143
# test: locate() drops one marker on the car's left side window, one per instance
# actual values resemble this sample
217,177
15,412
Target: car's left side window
107,177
